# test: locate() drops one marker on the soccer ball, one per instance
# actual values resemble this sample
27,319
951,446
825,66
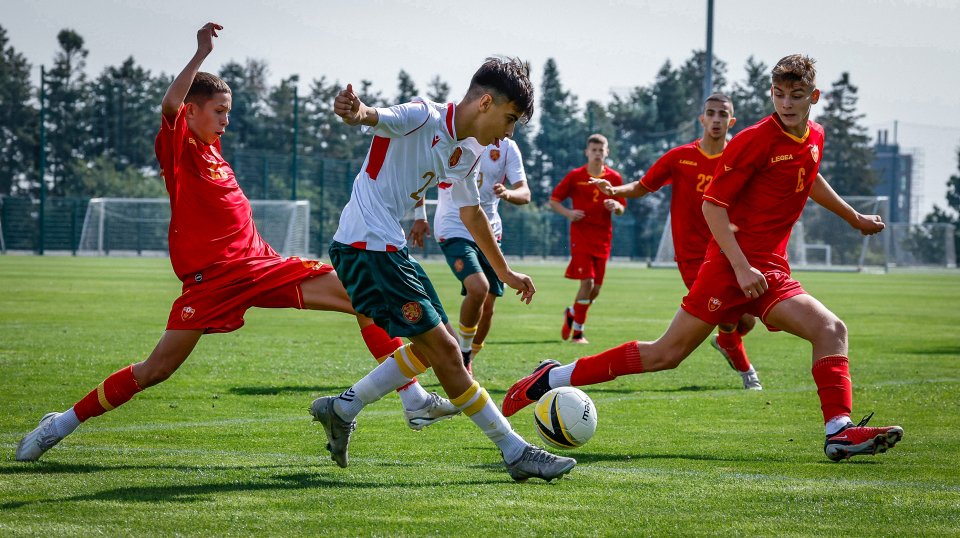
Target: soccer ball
565,417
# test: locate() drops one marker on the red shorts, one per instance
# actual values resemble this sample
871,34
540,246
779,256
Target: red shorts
584,265
217,304
688,271
716,297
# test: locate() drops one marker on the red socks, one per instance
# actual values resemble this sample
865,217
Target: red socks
379,342
115,391
732,343
832,375
608,365
580,312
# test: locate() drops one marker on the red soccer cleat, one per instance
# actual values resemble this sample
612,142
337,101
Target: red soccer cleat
567,327
520,396
860,439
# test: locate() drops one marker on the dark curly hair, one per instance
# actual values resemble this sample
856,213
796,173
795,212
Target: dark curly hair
506,80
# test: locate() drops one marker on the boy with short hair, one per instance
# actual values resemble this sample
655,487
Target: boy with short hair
416,145
501,177
689,168
225,265
758,192
591,230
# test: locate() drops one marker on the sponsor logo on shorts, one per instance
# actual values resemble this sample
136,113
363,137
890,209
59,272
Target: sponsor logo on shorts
198,277
455,158
412,312
714,304
311,264
458,265
187,313
815,153
494,155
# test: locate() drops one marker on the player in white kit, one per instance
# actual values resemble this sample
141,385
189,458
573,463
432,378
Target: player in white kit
417,145
501,177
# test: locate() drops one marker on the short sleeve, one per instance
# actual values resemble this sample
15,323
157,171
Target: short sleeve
562,191
743,156
465,192
514,166
170,141
401,120
659,174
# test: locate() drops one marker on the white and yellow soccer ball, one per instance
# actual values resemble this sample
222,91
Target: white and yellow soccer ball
565,417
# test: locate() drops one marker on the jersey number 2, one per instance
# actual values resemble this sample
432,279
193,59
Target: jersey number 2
427,176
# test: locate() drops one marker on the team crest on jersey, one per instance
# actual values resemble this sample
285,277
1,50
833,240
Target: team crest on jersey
713,304
187,313
455,158
815,153
494,155
458,265
412,312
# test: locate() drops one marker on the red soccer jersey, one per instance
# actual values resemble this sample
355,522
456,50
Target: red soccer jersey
764,179
591,234
211,223
690,170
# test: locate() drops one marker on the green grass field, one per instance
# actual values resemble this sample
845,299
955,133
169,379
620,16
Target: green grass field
226,446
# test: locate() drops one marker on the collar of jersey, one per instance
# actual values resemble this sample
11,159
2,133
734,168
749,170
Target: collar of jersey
802,139
704,153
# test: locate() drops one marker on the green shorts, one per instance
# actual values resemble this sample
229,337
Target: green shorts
465,258
389,287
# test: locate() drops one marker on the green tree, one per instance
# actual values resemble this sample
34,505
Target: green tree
126,114
248,85
18,121
103,177
562,136
438,90
406,88
847,154
751,96
950,215
691,77
69,125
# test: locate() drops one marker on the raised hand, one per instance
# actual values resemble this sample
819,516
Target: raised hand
347,106
205,37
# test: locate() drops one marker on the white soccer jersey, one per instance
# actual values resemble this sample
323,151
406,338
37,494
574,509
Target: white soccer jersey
498,165
414,146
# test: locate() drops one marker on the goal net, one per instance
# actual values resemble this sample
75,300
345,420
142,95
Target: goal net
822,241
138,226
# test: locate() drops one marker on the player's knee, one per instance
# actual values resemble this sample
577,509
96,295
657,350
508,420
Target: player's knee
746,324
836,330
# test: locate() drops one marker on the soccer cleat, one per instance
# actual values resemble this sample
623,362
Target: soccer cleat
338,430
528,390
436,410
579,338
40,440
860,439
750,380
567,324
715,342
536,462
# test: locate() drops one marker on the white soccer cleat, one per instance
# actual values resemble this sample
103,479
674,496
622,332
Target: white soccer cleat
40,440
437,409
750,380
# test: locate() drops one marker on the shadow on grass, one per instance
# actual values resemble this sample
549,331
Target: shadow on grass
284,389
43,467
523,342
586,457
201,492
931,350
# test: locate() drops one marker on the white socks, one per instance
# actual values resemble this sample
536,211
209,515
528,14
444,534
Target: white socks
66,422
560,375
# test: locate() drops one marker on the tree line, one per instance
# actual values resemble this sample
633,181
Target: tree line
99,131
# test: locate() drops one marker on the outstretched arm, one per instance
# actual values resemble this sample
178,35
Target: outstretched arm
352,110
630,190
178,89
823,194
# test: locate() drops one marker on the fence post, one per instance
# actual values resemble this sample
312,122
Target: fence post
296,128
43,156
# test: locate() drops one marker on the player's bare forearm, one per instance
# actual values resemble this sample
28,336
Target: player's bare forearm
823,194
178,89
518,195
631,190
